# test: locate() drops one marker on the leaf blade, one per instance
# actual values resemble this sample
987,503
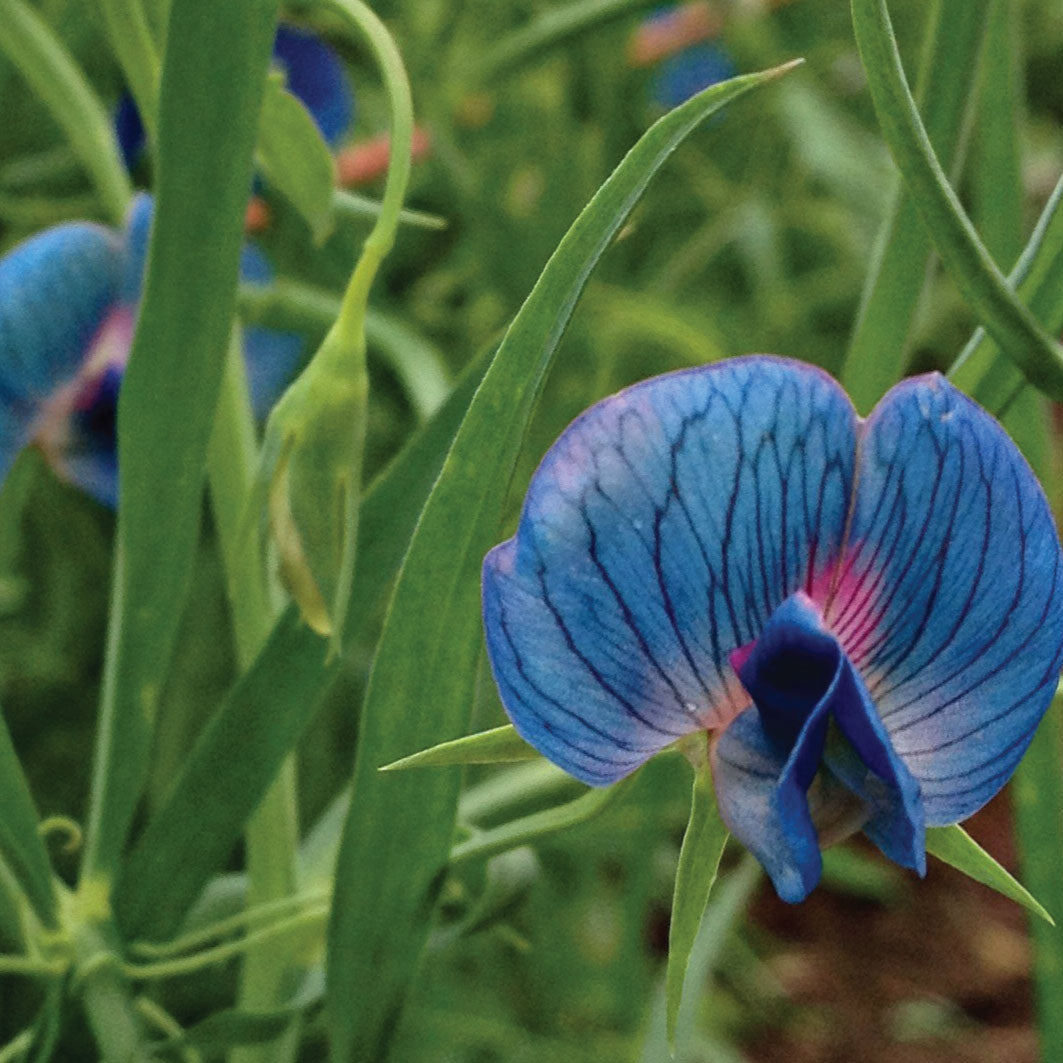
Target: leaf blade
955,847
399,825
699,862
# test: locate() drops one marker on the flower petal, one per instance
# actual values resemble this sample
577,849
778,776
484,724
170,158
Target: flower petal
949,601
804,688
658,535
316,75
55,291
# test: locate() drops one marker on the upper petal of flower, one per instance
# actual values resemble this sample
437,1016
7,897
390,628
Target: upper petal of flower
659,534
316,75
56,290
950,600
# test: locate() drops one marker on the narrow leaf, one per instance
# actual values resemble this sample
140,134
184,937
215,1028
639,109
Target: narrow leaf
527,829
947,78
1004,317
399,826
1038,793
294,158
32,47
192,834
955,847
214,71
981,370
699,862
21,847
497,746
550,30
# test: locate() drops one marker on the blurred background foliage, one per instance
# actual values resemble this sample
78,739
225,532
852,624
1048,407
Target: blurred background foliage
752,239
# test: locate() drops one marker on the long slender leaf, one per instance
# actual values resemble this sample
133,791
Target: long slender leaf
214,71
948,75
548,31
1011,323
191,835
421,686
498,745
958,849
42,59
21,847
699,861
1038,793
981,369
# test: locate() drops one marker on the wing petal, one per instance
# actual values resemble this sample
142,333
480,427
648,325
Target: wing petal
949,600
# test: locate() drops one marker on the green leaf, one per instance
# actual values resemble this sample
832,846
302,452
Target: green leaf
699,862
1004,317
1038,803
396,838
21,847
191,836
955,847
550,30
56,79
725,909
981,370
498,746
948,76
527,829
294,158
213,76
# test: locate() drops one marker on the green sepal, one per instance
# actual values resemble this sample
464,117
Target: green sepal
295,159
310,469
699,862
955,847
500,745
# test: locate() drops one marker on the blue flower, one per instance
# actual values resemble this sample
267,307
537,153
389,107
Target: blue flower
866,614
691,70
678,40
314,72
68,303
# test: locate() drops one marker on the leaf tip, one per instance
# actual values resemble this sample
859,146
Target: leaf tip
785,68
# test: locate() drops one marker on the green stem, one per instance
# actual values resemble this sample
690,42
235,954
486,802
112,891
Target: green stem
180,965
248,917
42,59
272,833
980,280
132,43
351,322
108,1003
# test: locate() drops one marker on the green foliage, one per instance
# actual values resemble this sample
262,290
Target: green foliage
500,912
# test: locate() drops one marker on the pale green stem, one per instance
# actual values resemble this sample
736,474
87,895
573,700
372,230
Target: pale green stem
132,43
181,965
351,321
55,78
248,917
272,833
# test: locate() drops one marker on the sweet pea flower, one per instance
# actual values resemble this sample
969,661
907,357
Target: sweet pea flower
68,303
863,617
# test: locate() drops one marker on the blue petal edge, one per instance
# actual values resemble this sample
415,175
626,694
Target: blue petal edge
658,535
951,595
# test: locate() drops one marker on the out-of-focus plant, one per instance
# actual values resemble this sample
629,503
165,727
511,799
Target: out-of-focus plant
860,612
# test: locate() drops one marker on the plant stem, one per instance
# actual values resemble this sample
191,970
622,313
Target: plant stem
272,833
131,41
42,59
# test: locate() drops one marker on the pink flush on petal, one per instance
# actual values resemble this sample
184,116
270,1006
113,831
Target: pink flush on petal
109,350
